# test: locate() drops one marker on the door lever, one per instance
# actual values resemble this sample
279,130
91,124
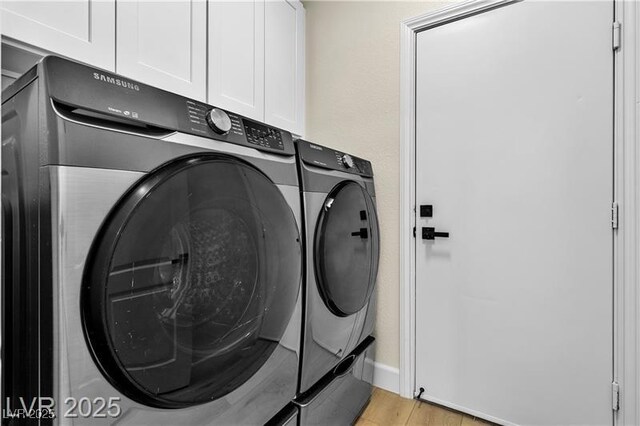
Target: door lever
431,234
362,233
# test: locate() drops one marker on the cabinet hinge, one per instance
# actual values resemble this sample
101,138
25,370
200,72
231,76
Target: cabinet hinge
615,396
617,35
614,215
414,232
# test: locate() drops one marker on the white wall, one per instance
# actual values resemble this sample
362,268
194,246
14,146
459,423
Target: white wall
353,96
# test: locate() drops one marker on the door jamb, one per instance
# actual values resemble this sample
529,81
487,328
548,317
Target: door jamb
627,194
626,241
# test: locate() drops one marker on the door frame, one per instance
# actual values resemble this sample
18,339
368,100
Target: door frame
626,239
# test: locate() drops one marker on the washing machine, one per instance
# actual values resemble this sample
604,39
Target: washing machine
342,253
152,255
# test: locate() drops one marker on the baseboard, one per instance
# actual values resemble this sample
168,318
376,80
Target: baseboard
385,377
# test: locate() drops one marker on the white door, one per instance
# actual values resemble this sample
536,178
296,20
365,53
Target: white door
164,44
236,56
284,65
80,29
514,152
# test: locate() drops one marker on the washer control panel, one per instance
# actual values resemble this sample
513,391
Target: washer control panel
225,125
238,129
320,156
148,108
262,135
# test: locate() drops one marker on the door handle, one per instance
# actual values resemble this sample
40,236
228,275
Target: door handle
431,234
362,233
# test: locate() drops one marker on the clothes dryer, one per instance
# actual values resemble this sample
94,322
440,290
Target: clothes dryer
342,251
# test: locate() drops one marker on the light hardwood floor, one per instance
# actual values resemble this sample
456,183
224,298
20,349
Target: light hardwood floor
387,408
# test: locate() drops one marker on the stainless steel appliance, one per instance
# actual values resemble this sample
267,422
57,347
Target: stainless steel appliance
341,395
342,250
152,254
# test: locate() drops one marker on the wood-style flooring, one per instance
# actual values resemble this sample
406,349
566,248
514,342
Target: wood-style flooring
387,408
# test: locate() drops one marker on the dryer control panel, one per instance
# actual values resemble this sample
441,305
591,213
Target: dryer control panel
103,95
328,158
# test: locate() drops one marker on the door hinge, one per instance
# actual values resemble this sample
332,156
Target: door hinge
615,396
414,232
614,215
617,35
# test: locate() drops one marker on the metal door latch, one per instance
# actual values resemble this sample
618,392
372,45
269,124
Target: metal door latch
431,234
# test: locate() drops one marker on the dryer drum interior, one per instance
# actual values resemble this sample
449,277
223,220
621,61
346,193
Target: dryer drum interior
347,249
191,281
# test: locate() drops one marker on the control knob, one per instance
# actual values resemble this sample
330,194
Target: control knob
347,161
219,121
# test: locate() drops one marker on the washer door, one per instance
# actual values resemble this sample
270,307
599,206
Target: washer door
191,282
347,249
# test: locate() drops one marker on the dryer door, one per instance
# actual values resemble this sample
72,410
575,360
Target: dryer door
191,281
347,249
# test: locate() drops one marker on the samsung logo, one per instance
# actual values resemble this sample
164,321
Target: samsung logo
116,81
312,146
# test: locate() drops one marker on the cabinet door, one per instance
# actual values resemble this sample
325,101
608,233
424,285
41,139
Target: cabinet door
236,56
163,43
80,29
284,65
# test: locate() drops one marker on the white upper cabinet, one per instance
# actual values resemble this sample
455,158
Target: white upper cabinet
256,60
236,56
246,56
82,29
164,44
284,65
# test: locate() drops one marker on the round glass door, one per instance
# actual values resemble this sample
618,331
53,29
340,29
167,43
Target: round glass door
347,249
191,281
